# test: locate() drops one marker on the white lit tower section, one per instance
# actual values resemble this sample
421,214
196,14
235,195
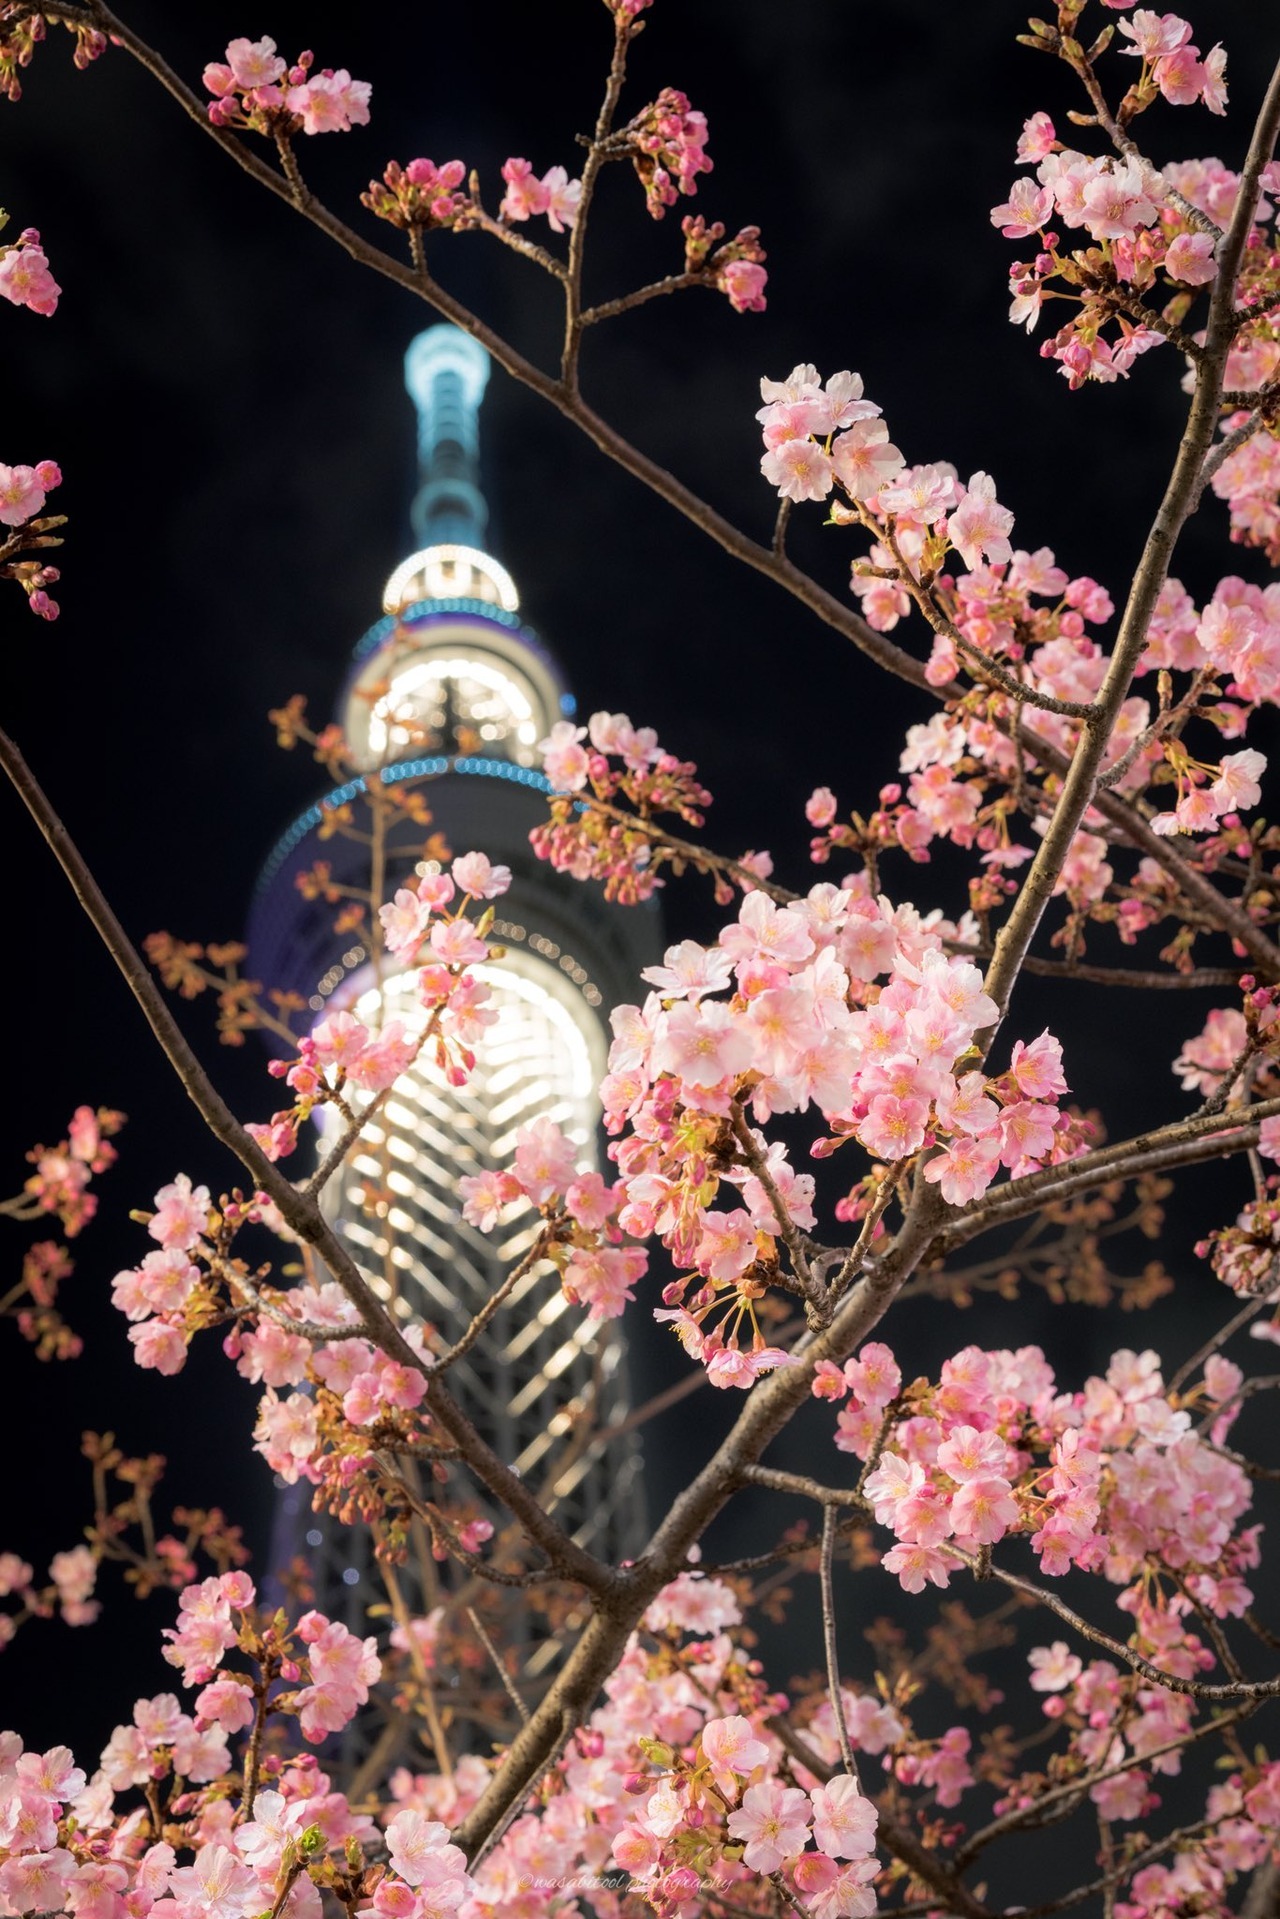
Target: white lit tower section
450,683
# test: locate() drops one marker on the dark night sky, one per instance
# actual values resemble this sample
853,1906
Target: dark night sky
223,390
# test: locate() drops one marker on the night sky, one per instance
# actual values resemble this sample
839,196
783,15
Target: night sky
223,390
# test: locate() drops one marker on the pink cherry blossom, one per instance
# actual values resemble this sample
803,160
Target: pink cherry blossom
26,279
1191,259
730,1746
545,1160
564,761
844,1821
984,1509
773,1819
254,63
525,195
181,1215
979,527
23,490
473,873
330,102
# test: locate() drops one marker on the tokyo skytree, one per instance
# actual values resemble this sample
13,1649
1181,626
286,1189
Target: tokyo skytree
449,693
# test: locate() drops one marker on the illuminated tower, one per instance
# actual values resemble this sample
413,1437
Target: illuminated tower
452,688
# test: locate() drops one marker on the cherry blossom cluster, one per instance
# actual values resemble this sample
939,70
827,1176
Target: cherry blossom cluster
1123,206
1142,223
424,195
1234,1058
61,1180
555,195
807,1023
666,143
59,1186
736,267
959,767
342,1055
218,1616
1215,1053
23,491
1023,612
824,438
1171,65
1249,480
257,89
25,275
72,1577
817,436
21,32
719,1808
600,839
584,1239
1231,649
350,1387
1114,1479
109,1845
1245,1255
420,194
1089,1701
330,1397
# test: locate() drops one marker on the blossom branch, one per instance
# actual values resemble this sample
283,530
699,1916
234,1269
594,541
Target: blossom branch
1257,1689
1071,1789
477,218
674,283
770,561
1186,1142
769,1408
623,28
298,1211
1179,501
897,1840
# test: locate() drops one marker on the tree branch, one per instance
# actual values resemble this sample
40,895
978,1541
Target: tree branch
298,1211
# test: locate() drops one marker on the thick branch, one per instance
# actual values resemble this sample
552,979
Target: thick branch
769,1407
1186,1142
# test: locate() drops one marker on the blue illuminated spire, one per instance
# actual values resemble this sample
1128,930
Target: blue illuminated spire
446,373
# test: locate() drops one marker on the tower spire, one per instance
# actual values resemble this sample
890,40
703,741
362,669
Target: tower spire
446,373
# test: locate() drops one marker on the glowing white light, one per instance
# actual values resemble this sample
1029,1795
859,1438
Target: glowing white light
543,1056
483,696
449,572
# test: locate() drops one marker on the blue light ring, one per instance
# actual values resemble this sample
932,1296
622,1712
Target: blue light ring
430,768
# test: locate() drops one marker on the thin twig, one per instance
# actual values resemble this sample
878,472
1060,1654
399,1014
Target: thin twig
1257,1689
834,1692
508,1683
